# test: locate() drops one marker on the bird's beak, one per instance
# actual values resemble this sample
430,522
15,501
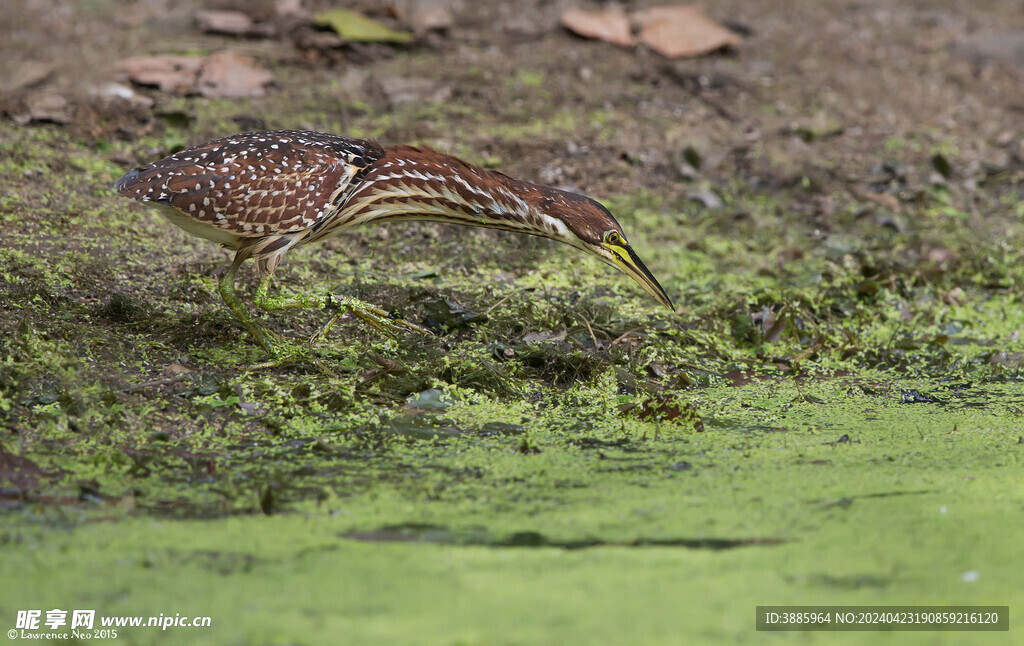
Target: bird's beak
626,259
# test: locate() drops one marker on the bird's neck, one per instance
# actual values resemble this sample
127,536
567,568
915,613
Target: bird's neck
413,184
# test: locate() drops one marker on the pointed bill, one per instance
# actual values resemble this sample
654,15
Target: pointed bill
626,259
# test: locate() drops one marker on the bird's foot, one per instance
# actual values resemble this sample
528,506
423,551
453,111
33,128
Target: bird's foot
374,316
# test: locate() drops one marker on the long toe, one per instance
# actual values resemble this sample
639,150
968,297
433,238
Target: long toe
374,316
380,320
401,325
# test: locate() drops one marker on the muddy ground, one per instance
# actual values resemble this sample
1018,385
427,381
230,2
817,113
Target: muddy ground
832,414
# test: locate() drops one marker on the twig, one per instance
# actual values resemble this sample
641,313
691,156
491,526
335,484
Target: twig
593,336
622,337
502,300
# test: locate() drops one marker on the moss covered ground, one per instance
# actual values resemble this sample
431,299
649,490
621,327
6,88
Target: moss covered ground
833,414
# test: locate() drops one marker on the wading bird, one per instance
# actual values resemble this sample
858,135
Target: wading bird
262,193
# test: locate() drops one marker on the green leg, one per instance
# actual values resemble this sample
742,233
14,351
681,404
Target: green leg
370,314
268,303
259,333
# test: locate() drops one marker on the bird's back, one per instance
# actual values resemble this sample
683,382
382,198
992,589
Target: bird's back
254,184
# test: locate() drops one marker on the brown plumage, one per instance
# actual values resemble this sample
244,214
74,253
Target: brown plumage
256,190
262,193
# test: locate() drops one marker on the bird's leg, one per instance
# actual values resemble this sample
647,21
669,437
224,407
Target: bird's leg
268,303
259,333
370,314
264,337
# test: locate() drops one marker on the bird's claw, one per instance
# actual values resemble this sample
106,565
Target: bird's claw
384,322
372,315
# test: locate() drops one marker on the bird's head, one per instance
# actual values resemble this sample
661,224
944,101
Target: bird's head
424,184
590,227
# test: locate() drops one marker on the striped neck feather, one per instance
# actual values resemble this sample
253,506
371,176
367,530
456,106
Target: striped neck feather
413,184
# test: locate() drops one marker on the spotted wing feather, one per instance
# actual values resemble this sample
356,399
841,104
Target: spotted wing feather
256,184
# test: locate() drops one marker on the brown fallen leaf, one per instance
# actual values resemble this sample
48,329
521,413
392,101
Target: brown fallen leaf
176,74
430,17
46,106
293,8
675,32
234,23
221,75
231,75
231,23
610,24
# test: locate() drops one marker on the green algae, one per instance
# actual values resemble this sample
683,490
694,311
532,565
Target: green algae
456,541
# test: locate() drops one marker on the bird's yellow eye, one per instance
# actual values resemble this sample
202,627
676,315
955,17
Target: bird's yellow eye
612,237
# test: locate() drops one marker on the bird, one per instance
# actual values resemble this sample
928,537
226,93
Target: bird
262,193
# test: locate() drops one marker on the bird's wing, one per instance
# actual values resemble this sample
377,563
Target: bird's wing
256,184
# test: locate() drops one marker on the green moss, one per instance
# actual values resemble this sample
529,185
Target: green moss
530,78
932,481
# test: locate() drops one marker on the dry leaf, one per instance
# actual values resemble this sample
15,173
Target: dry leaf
290,8
224,74
610,25
232,23
45,106
227,75
167,73
681,31
430,17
